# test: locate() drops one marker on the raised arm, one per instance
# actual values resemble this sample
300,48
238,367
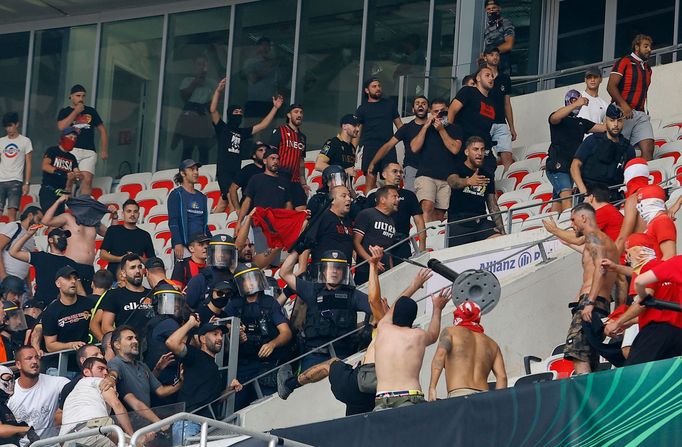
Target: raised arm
16,251
566,236
265,122
438,362
50,219
417,142
177,342
373,284
563,112
439,301
286,271
217,93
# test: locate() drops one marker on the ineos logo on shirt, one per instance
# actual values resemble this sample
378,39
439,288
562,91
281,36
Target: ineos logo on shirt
295,144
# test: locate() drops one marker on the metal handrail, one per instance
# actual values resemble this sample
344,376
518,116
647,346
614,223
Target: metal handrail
104,430
206,422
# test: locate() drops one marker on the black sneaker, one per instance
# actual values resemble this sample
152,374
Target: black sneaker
284,374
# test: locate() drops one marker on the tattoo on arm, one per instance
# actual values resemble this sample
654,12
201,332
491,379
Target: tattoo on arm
457,182
445,341
494,208
594,245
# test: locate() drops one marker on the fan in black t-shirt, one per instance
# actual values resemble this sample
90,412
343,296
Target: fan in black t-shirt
473,189
339,150
245,174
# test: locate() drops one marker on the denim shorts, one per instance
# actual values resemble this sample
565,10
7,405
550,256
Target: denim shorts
501,134
10,192
561,181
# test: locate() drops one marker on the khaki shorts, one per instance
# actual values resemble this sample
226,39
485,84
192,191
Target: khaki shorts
87,159
437,191
459,392
577,347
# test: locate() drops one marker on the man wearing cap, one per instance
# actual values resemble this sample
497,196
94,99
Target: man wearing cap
467,355
60,170
502,131
595,109
628,86
248,171
498,33
230,137
203,383
187,208
127,238
189,267
46,263
85,118
601,158
66,319
291,145
376,116
339,150
9,235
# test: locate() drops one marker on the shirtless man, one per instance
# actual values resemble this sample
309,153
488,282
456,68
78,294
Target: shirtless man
467,355
598,246
400,352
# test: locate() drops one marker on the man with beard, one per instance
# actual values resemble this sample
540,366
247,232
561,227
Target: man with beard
230,137
12,431
126,238
502,131
601,158
134,380
628,86
598,247
499,33
248,171
129,305
291,146
377,117
334,229
473,190
36,395
406,133
339,150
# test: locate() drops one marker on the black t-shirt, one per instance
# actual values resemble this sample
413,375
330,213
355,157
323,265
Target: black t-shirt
156,347
202,382
64,162
377,123
87,120
436,161
132,308
376,228
501,88
68,323
565,137
470,201
246,173
267,191
118,240
408,206
7,418
46,264
476,116
406,134
332,232
229,146
339,152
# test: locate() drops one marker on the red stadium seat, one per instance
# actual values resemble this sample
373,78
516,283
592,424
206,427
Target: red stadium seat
518,170
26,200
134,183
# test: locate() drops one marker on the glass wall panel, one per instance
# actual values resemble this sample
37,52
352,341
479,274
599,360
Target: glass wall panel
328,65
442,48
127,92
196,59
655,18
396,45
13,65
526,16
262,57
581,36
61,58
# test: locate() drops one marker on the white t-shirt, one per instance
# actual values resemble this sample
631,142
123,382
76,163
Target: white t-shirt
13,157
14,266
595,110
84,403
37,405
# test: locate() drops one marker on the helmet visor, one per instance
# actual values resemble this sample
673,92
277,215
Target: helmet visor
16,321
334,272
251,281
169,303
336,179
222,255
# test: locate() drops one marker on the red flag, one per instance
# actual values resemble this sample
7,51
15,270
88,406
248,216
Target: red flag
280,226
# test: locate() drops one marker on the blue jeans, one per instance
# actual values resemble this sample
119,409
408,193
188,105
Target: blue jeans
183,430
561,181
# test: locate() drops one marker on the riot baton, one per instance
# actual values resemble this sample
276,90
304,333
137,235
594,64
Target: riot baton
654,303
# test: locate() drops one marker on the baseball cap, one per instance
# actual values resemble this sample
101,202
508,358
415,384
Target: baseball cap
369,81
188,163
77,89
224,286
34,303
209,327
154,263
270,150
69,130
294,106
491,49
350,119
614,112
199,237
65,272
492,2
593,71
59,233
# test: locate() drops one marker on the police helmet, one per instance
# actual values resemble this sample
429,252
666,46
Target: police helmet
168,300
222,252
250,280
15,321
333,268
334,175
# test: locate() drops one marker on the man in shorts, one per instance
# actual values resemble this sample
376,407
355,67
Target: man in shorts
85,118
502,132
16,152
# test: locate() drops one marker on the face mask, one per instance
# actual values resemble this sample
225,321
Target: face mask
67,144
649,208
234,120
493,17
220,301
60,243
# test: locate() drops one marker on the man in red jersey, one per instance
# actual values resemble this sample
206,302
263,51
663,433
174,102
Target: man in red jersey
291,143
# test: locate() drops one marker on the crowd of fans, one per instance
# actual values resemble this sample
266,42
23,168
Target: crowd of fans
142,340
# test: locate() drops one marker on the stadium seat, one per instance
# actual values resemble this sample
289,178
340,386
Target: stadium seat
528,208
662,136
531,379
163,179
212,192
134,183
34,190
675,122
159,245
101,185
148,227
660,169
217,221
26,200
519,153
511,198
543,192
504,185
518,170
309,168
206,175
114,198
672,149
562,367
149,198
499,170
162,232
532,181
538,150
157,214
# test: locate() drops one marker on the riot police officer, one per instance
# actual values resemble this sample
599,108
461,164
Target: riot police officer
332,305
332,176
221,262
264,332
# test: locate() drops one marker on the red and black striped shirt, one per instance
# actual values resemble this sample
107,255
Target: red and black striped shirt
635,78
291,145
